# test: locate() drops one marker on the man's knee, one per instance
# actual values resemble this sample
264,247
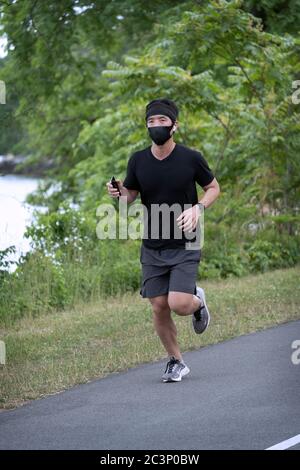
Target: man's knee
159,304
181,303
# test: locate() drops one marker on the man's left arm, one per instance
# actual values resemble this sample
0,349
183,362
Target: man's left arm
212,191
188,219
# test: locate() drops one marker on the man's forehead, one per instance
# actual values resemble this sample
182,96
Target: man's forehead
157,115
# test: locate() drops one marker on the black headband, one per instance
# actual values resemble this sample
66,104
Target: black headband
160,107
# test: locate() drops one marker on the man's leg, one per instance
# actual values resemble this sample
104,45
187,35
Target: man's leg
183,303
182,298
164,325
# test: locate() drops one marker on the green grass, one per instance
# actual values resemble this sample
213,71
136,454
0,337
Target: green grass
53,352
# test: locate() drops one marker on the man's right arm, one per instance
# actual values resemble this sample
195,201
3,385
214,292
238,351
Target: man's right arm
131,194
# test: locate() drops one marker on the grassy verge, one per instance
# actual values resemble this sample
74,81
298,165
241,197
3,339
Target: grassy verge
53,352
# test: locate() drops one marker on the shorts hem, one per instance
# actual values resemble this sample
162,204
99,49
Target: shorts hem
144,295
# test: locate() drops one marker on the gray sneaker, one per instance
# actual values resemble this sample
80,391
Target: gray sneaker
175,370
201,317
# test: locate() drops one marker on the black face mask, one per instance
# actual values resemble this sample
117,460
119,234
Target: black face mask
160,134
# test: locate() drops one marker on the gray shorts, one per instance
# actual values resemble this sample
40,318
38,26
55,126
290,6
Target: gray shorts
173,269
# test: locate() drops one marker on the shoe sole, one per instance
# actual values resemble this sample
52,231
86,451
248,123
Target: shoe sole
205,304
185,371
208,314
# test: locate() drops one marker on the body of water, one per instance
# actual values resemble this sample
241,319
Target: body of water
15,214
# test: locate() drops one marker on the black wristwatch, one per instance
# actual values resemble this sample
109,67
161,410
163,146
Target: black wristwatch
202,206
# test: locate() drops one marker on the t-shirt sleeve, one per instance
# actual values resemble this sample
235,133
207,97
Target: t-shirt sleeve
203,173
131,181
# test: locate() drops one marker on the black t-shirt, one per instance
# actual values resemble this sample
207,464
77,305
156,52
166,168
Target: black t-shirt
168,181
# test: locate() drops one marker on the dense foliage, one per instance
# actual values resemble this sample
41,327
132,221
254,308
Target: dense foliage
81,74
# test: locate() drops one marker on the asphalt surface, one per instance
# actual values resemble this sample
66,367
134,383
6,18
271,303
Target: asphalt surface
240,394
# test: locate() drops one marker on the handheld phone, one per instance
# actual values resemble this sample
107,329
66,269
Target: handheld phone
115,184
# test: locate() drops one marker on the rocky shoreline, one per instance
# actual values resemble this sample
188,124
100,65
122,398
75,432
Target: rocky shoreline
9,165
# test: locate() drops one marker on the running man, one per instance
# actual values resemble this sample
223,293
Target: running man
166,173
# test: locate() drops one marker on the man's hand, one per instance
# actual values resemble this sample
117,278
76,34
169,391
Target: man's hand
188,219
114,192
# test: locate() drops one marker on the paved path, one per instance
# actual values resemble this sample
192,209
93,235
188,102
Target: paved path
240,394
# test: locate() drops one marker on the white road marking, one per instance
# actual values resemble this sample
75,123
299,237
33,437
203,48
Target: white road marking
286,444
